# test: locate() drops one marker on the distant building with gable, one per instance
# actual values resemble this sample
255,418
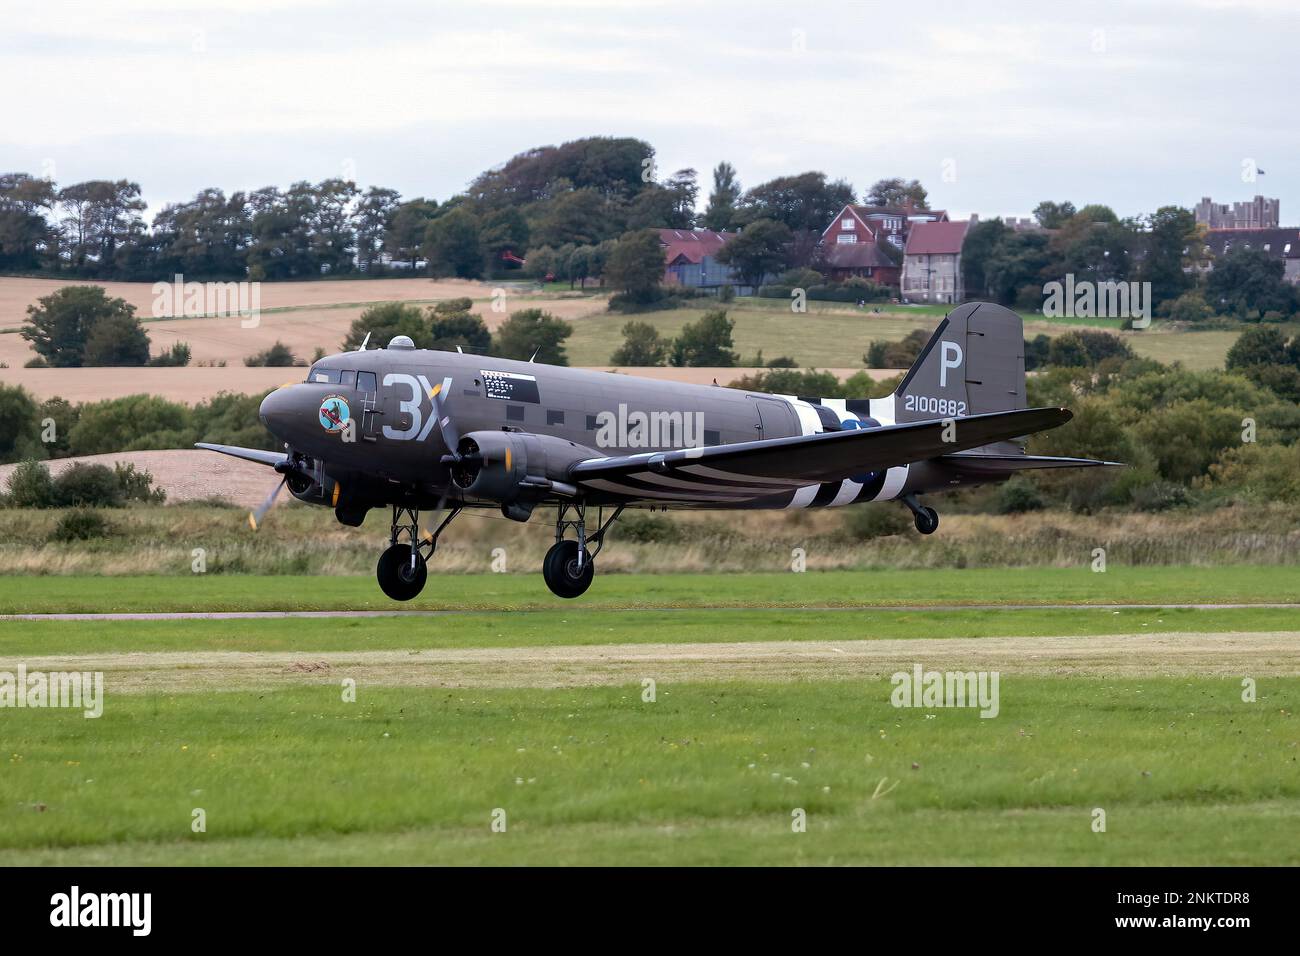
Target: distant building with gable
690,258
932,262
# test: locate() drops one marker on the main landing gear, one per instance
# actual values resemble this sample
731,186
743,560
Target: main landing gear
926,519
569,565
402,567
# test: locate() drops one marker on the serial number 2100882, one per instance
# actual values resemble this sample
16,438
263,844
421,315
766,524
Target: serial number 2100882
936,406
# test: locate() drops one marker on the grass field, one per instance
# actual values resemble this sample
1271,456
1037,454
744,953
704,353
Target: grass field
765,703
990,587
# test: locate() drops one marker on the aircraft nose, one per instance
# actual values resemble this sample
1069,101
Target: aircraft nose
278,409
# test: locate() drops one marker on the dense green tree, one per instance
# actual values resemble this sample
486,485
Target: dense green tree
636,264
117,339
374,218
1171,232
896,191
642,346
25,234
720,214
451,245
803,202
385,321
1248,283
581,217
532,333
978,249
759,250
706,342
453,326
59,325
19,425
1053,215
406,232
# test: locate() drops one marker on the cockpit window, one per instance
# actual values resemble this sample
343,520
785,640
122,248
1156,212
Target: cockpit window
366,381
347,378
329,376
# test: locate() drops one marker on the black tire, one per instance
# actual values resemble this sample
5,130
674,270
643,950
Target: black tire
927,520
560,569
396,578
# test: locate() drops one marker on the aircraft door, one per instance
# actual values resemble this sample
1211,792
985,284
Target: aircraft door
776,419
372,414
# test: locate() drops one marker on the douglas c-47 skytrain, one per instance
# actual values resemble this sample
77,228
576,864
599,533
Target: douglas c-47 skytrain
420,430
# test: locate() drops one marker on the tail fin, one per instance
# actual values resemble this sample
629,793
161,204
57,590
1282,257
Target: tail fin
974,363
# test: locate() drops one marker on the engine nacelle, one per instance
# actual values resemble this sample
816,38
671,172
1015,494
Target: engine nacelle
513,466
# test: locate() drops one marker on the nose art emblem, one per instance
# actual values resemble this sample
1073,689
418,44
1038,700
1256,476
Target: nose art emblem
334,413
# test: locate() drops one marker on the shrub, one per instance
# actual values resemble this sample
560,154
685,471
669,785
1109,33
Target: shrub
1017,496
30,486
175,357
277,356
865,523
82,524
1159,496
646,528
88,485
137,485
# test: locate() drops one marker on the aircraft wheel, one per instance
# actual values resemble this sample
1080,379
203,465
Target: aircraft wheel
927,520
560,569
396,577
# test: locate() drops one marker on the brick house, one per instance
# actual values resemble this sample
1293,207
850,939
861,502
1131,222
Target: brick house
932,262
851,244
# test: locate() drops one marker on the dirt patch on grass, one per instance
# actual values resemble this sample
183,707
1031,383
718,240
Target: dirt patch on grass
1275,653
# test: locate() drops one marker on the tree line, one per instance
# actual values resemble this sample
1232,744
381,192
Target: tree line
1166,248
582,194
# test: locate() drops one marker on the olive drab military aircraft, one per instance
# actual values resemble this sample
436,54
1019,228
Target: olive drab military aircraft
419,430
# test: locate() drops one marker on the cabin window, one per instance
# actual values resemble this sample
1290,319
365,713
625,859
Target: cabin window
845,239
514,413
554,417
850,225
591,423
366,382
712,437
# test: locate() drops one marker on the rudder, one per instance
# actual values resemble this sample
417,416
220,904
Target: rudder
974,363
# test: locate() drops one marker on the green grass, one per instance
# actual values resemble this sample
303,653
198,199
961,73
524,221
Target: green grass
710,773
971,586
836,335
575,626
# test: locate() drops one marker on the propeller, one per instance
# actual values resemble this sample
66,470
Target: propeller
286,468
255,516
446,427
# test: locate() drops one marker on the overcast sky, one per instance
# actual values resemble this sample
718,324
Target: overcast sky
993,106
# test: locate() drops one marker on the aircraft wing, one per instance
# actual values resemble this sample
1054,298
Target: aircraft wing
978,464
779,464
270,458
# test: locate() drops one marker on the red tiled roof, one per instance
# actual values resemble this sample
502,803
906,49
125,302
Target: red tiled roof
691,244
935,238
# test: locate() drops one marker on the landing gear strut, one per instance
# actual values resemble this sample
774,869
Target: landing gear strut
926,519
402,567
569,565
